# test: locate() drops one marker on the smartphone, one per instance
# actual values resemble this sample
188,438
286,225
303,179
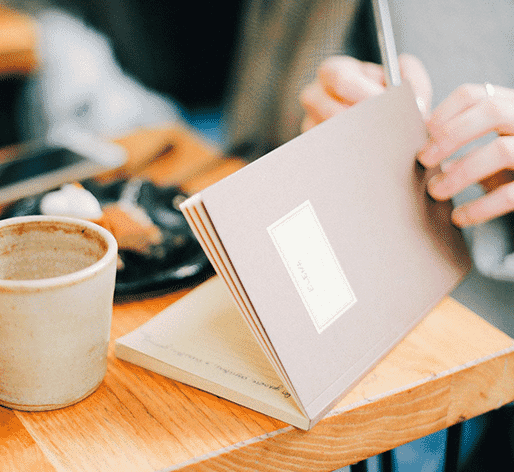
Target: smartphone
29,170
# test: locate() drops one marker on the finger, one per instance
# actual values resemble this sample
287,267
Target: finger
350,80
459,100
413,70
494,114
307,124
477,121
372,71
476,166
318,104
472,118
491,205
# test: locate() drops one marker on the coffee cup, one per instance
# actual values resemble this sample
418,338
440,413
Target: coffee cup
57,277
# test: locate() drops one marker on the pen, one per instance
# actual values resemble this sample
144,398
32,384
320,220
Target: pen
386,43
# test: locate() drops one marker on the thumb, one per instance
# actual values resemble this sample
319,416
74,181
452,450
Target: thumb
413,70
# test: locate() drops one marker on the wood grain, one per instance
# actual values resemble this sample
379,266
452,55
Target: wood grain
406,397
138,420
453,366
18,450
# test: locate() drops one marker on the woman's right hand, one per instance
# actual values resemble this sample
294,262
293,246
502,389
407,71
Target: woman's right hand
343,81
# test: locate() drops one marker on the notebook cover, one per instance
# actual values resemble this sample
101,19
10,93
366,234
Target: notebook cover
337,244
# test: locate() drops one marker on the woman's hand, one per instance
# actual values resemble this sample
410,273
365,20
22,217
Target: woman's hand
470,112
343,81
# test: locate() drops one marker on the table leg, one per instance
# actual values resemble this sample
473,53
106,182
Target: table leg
452,447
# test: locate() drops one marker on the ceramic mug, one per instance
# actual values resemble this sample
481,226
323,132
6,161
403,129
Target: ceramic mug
57,278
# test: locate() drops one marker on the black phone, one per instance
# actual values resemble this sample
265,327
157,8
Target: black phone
26,171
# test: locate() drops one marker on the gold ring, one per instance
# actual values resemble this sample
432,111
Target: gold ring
489,90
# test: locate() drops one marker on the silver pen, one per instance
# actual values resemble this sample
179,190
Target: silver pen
386,42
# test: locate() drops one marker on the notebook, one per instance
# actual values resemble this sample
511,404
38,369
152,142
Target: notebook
328,252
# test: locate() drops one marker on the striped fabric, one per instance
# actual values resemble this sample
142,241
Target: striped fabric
282,45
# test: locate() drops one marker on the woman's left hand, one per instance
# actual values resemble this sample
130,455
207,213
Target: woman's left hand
343,81
470,112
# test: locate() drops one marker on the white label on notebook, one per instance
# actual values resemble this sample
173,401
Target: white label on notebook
312,265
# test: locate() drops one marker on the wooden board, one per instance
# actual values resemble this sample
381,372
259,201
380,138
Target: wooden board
451,367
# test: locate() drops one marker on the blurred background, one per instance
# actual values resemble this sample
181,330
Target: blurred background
183,50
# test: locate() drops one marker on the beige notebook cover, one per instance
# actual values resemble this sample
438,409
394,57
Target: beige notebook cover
331,250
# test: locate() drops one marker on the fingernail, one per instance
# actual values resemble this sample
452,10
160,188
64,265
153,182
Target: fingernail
421,106
460,217
427,155
437,187
446,165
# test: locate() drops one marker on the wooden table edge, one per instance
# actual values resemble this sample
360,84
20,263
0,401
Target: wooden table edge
358,430
279,448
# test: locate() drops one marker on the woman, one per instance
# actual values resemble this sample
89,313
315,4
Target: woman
453,42
472,140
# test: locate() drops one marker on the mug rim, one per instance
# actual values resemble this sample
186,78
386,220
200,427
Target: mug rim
72,277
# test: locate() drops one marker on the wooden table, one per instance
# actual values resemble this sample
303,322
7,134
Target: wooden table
452,367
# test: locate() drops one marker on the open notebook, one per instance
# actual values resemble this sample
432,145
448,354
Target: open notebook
328,252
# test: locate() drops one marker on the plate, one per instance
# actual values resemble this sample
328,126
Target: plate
175,263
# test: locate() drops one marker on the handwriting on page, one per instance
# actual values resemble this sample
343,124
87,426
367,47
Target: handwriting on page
211,366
